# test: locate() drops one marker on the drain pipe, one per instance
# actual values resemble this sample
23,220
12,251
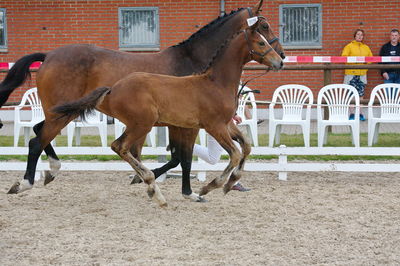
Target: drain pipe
221,8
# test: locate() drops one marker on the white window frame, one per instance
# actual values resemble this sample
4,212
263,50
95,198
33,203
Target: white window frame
3,47
300,44
150,46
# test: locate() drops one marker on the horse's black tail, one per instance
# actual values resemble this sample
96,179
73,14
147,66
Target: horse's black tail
84,105
17,75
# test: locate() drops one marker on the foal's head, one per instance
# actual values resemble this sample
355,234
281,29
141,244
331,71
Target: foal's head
265,29
260,50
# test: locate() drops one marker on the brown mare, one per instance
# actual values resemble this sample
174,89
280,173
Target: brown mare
69,72
208,100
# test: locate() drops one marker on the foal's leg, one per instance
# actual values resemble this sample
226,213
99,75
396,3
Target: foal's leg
224,139
54,161
237,135
122,145
47,133
175,160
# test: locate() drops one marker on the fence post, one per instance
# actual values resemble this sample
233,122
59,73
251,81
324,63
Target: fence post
282,162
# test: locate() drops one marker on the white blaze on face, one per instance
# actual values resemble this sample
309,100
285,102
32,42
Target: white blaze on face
263,38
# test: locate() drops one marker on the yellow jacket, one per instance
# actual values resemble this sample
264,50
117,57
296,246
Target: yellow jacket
355,48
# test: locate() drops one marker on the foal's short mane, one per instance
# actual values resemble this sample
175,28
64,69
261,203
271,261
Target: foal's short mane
206,28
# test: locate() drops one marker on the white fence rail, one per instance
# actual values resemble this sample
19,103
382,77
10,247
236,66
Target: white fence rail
282,166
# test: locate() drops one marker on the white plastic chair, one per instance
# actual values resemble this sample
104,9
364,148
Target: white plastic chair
31,99
250,123
293,98
119,127
388,96
338,97
98,120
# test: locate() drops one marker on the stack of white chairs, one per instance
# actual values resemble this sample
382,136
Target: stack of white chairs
250,123
388,97
338,98
97,120
29,99
293,99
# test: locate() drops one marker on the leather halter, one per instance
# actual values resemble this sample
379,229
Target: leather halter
251,15
269,41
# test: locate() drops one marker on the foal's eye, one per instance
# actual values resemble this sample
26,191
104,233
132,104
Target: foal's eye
265,27
261,43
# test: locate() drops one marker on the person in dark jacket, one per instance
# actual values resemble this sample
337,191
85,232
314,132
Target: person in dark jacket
391,48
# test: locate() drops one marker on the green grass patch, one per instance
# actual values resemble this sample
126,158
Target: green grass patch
334,140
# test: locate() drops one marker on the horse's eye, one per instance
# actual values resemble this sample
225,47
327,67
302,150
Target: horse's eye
265,27
261,43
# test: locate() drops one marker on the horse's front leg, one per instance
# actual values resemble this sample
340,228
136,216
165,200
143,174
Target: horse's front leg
245,146
223,137
185,143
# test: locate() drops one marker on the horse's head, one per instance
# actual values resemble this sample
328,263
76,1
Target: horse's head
260,50
265,30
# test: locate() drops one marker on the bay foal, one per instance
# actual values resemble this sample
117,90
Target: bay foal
208,101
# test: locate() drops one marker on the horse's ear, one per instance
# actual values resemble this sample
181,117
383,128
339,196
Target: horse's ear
257,8
254,26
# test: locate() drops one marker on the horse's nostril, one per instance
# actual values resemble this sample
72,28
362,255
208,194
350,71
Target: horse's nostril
283,55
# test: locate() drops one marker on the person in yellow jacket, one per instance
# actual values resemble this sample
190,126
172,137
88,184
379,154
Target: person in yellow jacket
357,77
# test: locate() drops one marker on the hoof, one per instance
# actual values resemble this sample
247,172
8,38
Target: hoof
203,191
14,188
150,193
19,187
48,177
194,197
227,189
136,180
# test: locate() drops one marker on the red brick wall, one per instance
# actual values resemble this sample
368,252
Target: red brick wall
339,20
40,26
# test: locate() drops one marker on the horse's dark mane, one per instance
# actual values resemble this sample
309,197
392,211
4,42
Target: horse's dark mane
207,27
219,52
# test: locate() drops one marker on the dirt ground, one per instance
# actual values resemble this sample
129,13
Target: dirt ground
97,218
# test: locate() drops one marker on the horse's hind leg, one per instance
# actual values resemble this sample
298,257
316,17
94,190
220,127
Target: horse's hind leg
224,139
121,146
54,161
175,160
46,134
237,135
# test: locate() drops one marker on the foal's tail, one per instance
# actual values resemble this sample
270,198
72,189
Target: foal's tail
17,75
84,105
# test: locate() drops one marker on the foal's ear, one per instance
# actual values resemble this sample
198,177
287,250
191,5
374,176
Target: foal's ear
257,8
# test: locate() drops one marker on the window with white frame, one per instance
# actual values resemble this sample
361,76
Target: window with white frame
3,28
300,25
139,28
